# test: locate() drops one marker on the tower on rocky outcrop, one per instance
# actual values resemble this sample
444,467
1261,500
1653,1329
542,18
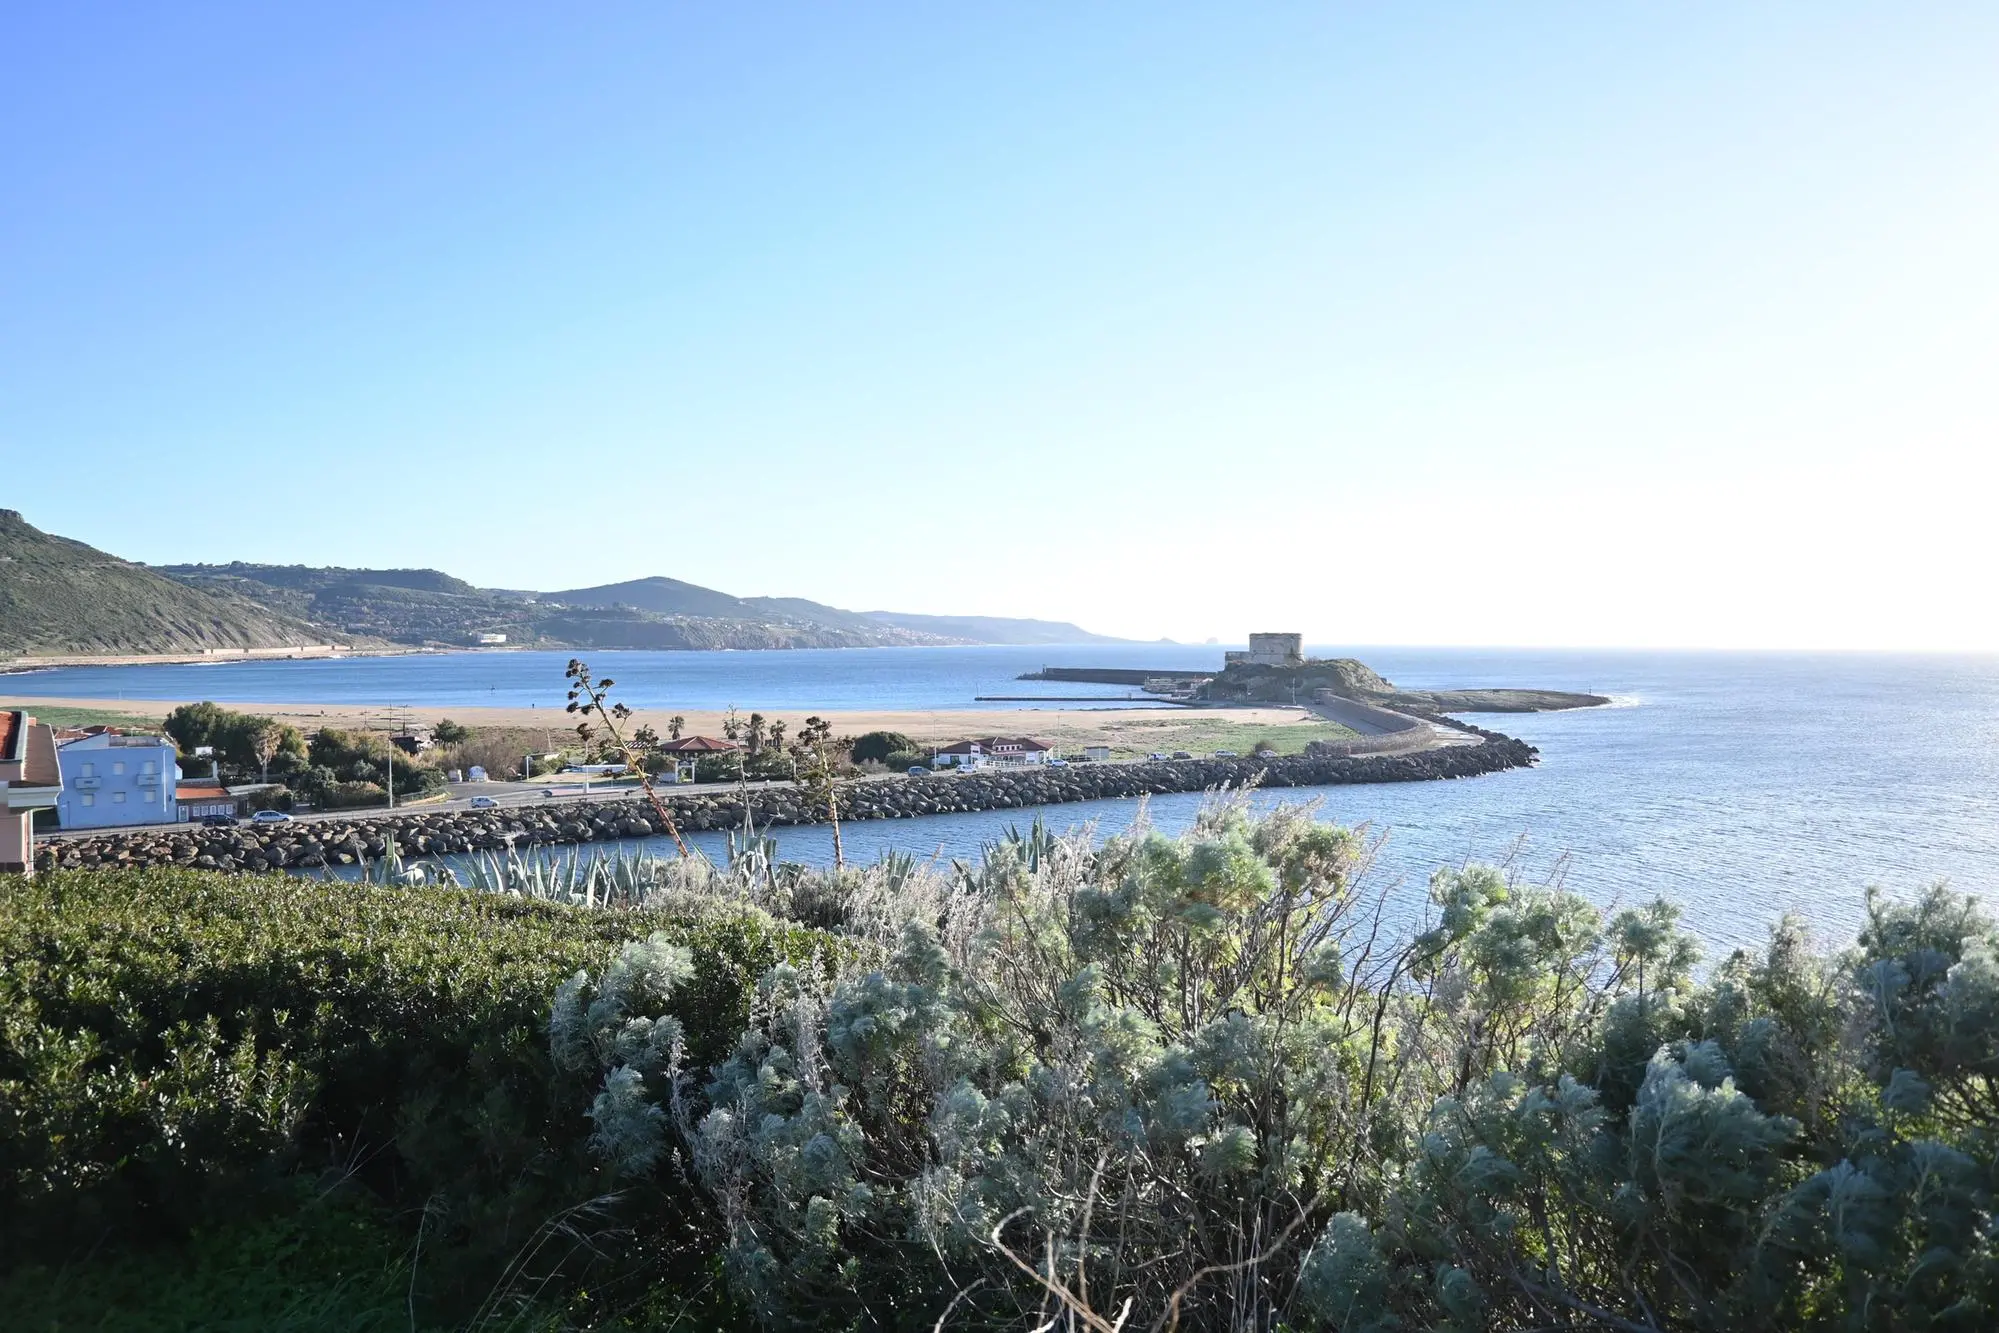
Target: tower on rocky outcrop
1278,650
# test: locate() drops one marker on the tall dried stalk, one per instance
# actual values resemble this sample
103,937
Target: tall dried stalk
587,696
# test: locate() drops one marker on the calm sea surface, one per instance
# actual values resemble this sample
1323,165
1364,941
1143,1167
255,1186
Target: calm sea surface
1740,785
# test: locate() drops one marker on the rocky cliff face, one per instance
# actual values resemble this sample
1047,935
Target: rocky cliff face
309,845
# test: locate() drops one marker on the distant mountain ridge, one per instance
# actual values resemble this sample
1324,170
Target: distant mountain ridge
60,597
672,597
992,629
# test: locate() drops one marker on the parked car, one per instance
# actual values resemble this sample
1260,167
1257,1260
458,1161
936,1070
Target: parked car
483,803
918,771
548,791
1227,754
1156,757
218,821
1182,754
1058,763
268,817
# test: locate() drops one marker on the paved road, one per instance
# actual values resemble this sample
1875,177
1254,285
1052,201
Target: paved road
544,792
460,797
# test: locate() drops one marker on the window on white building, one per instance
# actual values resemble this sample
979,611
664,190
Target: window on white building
150,766
147,796
118,768
117,798
87,771
89,799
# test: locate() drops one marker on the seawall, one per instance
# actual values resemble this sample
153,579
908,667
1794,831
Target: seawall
343,841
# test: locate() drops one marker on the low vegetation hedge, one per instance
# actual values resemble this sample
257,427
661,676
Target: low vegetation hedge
176,1045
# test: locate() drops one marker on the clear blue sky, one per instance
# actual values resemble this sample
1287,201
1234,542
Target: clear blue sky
1591,324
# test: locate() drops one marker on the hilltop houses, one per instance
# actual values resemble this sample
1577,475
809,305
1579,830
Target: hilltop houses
30,780
994,752
109,778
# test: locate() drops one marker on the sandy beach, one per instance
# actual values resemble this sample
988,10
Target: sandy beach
1124,729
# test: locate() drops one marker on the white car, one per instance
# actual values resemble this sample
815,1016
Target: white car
270,817
483,803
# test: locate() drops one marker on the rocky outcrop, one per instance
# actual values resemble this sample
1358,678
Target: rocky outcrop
1345,678
312,844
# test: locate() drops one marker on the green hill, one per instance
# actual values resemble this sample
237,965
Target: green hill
661,596
413,606
429,607
59,596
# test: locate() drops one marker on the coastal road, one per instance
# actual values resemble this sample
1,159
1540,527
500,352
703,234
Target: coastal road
544,792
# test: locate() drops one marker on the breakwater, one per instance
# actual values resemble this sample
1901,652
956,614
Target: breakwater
316,843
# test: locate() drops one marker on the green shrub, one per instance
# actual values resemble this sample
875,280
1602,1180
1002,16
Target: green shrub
1192,1082
175,1044
877,746
352,796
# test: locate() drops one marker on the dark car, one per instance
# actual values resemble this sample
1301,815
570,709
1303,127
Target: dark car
219,821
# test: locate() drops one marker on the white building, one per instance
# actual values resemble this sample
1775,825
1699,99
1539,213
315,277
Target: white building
110,779
994,752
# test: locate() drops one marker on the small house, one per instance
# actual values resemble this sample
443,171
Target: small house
200,800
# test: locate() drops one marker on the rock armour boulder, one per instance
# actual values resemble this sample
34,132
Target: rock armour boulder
345,841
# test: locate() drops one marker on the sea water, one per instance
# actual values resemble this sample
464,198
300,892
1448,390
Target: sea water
1742,786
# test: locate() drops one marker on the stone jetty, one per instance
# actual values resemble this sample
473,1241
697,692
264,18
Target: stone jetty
308,844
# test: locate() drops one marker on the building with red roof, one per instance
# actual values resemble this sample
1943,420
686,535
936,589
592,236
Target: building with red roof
994,752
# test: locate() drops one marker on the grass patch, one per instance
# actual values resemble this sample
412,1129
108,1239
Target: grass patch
330,1263
86,717
1202,736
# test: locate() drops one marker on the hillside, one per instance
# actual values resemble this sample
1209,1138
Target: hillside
700,615
427,607
661,596
59,596
412,606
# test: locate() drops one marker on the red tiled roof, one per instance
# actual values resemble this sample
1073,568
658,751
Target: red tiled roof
996,745
697,745
11,725
200,791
